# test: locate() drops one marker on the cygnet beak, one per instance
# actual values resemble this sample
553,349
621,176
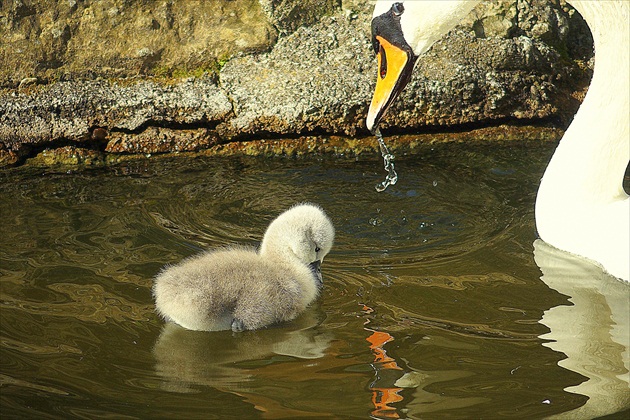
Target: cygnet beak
315,267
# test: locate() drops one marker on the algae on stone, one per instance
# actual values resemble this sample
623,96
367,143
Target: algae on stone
59,40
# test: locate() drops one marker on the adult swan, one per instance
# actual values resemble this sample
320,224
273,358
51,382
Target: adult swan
581,206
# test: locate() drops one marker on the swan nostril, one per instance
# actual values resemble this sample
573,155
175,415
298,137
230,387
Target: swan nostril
383,63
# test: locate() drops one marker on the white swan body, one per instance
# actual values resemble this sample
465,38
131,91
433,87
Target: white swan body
242,289
581,206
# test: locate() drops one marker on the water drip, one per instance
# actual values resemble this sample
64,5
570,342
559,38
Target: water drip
388,160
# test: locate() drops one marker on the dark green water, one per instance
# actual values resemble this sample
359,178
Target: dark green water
431,308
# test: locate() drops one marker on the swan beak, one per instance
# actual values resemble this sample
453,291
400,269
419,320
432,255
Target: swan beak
315,267
395,65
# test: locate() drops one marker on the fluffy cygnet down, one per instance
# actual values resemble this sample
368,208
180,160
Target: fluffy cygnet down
244,289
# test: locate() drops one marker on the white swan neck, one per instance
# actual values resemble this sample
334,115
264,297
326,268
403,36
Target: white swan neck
425,22
581,206
592,157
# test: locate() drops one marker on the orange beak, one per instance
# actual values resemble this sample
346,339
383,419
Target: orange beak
394,71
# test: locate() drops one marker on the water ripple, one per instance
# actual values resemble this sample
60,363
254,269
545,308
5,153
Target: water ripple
439,264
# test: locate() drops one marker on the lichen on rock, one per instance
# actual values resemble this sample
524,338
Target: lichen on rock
61,40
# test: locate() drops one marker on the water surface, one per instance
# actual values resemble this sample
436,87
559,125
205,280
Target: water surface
433,304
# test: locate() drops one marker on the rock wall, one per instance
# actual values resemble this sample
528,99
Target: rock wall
145,76
62,40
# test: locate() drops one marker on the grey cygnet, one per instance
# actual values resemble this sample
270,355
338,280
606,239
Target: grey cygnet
240,288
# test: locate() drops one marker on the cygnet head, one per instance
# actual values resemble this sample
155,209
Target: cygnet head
303,232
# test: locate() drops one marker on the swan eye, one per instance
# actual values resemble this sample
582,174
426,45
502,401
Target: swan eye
317,249
398,9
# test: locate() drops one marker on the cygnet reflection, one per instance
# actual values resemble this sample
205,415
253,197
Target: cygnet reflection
186,359
240,288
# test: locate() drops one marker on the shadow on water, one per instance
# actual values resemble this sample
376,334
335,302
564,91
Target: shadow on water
433,303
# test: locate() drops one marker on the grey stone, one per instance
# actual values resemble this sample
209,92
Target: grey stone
70,111
317,79
288,15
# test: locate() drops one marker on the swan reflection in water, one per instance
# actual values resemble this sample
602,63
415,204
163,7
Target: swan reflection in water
593,332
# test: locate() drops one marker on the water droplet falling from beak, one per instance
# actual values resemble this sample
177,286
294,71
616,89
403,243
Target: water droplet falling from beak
388,160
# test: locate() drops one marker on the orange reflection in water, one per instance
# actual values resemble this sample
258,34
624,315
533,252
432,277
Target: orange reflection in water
382,396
